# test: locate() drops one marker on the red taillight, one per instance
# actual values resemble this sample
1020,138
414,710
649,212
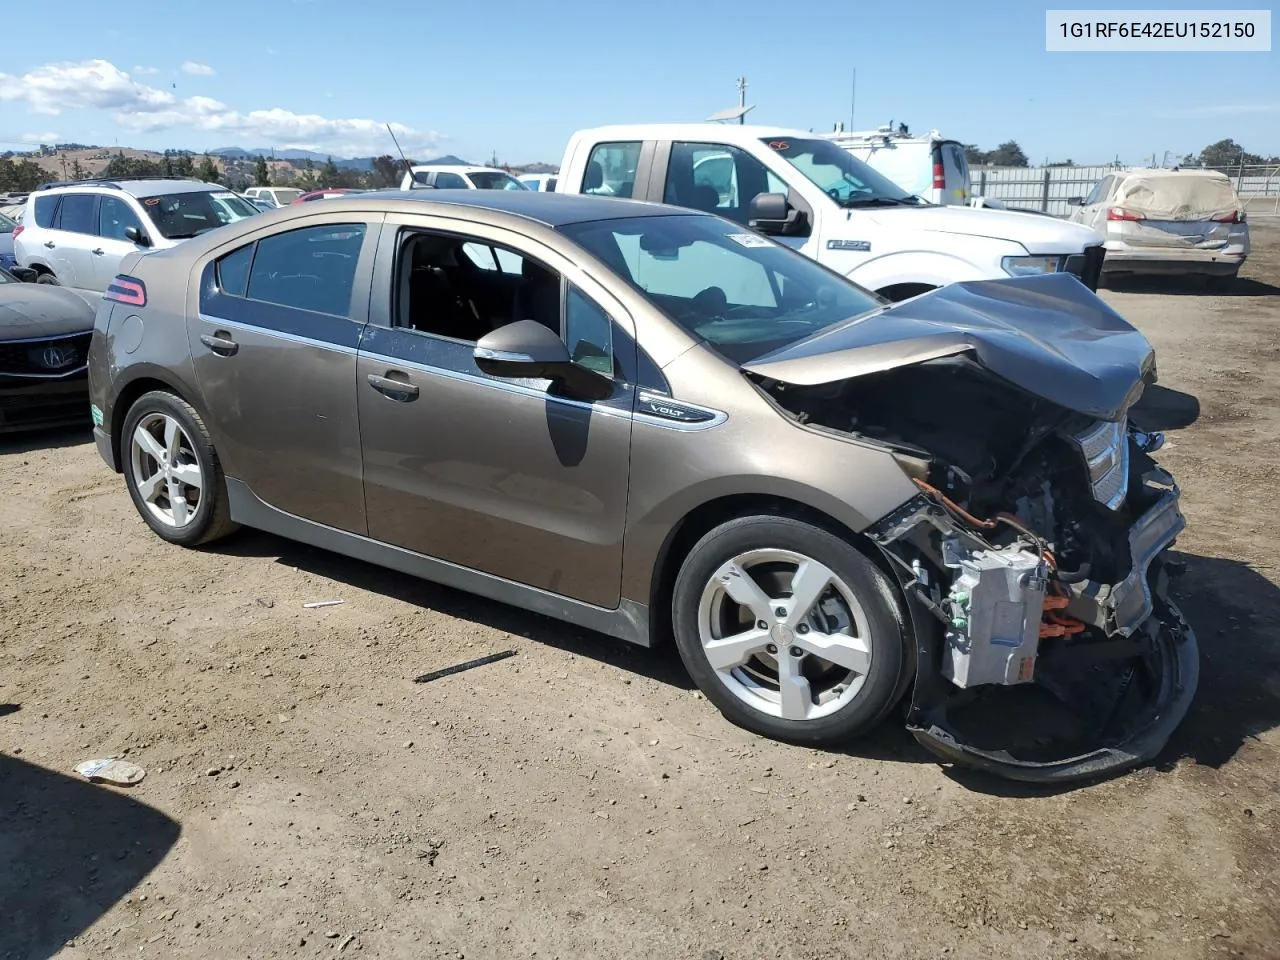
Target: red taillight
17,231
939,177
1236,216
128,290
1120,213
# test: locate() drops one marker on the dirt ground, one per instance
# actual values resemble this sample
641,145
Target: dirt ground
304,798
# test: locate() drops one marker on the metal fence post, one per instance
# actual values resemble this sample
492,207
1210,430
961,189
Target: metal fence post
1044,201
982,185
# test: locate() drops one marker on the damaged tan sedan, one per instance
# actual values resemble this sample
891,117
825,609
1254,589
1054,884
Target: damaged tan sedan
650,422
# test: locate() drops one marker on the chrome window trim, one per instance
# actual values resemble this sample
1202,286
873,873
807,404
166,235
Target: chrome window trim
281,335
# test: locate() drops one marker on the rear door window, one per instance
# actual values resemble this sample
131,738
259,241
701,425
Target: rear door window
611,169
309,269
76,214
450,181
46,207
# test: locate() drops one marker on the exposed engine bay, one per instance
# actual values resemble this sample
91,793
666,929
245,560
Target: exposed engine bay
1032,561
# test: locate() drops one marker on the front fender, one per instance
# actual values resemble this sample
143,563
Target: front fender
934,269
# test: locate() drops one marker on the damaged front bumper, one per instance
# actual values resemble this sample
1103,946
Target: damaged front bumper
1122,694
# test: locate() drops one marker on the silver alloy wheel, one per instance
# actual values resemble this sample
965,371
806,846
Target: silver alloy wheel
166,471
785,634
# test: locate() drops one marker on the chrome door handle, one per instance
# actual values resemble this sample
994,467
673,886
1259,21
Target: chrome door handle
50,244
220,343
393,387
97,251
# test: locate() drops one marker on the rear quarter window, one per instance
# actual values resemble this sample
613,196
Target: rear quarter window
46,207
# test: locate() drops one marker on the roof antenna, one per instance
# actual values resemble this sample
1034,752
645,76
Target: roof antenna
408,168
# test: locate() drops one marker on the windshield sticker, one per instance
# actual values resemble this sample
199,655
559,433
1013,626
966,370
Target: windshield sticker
750,240
864,246
779,145
222,196
151,201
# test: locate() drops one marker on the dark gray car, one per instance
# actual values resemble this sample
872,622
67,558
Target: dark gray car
650,421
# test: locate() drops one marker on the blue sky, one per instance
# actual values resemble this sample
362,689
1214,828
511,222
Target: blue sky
518,77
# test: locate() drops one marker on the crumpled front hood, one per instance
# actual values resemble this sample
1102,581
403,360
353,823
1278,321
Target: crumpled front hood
1048,335
29,310
1035,233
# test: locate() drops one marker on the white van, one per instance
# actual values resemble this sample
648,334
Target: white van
928,165
805,191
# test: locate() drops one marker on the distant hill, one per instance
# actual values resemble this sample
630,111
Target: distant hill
239,153
447,160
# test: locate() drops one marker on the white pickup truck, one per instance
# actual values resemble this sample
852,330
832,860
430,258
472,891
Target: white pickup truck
809,193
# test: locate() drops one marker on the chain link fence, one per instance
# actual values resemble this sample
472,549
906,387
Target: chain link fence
1050,189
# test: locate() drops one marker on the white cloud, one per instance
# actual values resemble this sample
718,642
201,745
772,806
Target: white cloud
41,137
197,69
145,71
100,85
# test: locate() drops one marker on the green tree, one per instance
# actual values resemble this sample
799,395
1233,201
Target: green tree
1008,154
330,176
122,167
261,173
1228,153
77,171
207,170
387,171
21,175
183,166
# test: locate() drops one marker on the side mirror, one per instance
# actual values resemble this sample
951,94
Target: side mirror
25,274
137,236
528,349
418,180
774,216
1076,201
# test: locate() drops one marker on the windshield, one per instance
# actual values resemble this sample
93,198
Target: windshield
841,176
181,215
740,292
5,276
494,180
6,225
283,197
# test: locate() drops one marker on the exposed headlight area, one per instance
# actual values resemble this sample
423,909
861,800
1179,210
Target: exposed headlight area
1105,448
1031,266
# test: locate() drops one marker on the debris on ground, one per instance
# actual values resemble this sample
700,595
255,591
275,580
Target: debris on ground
122,773
322,603
458,668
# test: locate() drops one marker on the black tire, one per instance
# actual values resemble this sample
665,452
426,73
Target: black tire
48,278
877,595
212,519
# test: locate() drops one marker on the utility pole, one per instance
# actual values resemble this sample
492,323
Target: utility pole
742,100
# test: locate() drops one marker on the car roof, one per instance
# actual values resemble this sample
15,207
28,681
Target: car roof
549,209
723,132
153,187
455,168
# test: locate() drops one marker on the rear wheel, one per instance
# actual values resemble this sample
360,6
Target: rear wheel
789,630
172,471
48,278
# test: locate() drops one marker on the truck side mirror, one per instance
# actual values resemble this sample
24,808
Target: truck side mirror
1076,201
25,274
774,216
137,236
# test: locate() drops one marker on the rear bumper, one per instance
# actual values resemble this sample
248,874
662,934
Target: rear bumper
36,404
1167,261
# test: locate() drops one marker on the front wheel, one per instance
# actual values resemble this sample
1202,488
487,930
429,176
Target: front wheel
791,631
172,471
47,278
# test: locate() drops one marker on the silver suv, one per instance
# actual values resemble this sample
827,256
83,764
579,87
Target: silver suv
75,233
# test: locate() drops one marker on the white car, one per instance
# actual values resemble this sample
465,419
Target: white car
927,165
1168,222
805,191
276,196
76,233
459,177
543,182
